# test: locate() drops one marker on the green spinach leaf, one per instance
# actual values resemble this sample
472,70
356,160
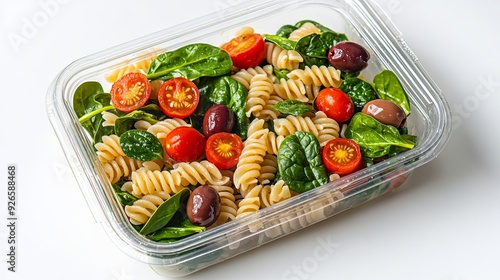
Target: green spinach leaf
191,62
126,122
293,107
285,30
314,48
141,145
124,197
358,90
299,162
89,101
374,138
388,86
224,90
165,212
282,42
338,36
171,233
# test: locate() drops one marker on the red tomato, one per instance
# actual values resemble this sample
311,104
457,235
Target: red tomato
185,144
246,50
341,156
223,149
178,97
336,104
130,92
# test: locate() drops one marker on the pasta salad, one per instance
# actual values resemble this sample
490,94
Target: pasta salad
202,135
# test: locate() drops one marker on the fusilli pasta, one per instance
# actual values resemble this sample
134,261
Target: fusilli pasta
244,76
318,76
140,211
259,93
281,58
304,30
272,194
109,148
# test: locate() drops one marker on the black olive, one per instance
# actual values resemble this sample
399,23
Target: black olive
348,57
203,206
218,118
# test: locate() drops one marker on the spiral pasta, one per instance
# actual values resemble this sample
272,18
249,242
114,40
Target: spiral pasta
268,169
328,128
109,148
250,202
162,128
109,118
259,93
244,76
120,167
145,181
272,194
229,208
140,211
304,30
268,112
318,76
295,89
281,58
248,168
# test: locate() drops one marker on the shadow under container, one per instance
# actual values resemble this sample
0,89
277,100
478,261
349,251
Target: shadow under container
362,21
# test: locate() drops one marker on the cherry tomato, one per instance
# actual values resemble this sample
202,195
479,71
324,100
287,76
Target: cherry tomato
130,92
341,156
335,103
223,149
178,97
185,144
246,50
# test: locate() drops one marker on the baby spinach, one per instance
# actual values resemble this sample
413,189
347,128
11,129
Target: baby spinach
150,113
388,86
175,232
165,212
314,47
282,42
338,36
374,138
286,30
124,197
141,145
224,90
89,101
293,107
358,90
191,62
299,162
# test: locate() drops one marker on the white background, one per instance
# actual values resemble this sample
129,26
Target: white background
445,225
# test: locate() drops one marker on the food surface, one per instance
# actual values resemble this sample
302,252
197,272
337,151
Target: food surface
209,134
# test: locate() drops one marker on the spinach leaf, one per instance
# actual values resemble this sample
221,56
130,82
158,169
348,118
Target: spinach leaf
293,107
374,138
395,150
314,48
281,73
172,233
286,30
191,62
388,86
358,90
124,197
141,145
126,122
165,212
340,36
299,162
282,42
89,101
224,90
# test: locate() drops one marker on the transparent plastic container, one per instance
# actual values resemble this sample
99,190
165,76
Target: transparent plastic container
362,21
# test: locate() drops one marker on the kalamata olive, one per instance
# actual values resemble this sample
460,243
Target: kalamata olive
203,206
218,118
386,112
348,57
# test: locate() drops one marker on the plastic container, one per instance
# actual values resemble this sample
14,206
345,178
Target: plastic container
362,22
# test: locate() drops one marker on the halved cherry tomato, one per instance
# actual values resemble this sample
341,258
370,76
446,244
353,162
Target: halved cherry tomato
178,97
223,149
130,92
247,50
335,103
185,144
341,156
